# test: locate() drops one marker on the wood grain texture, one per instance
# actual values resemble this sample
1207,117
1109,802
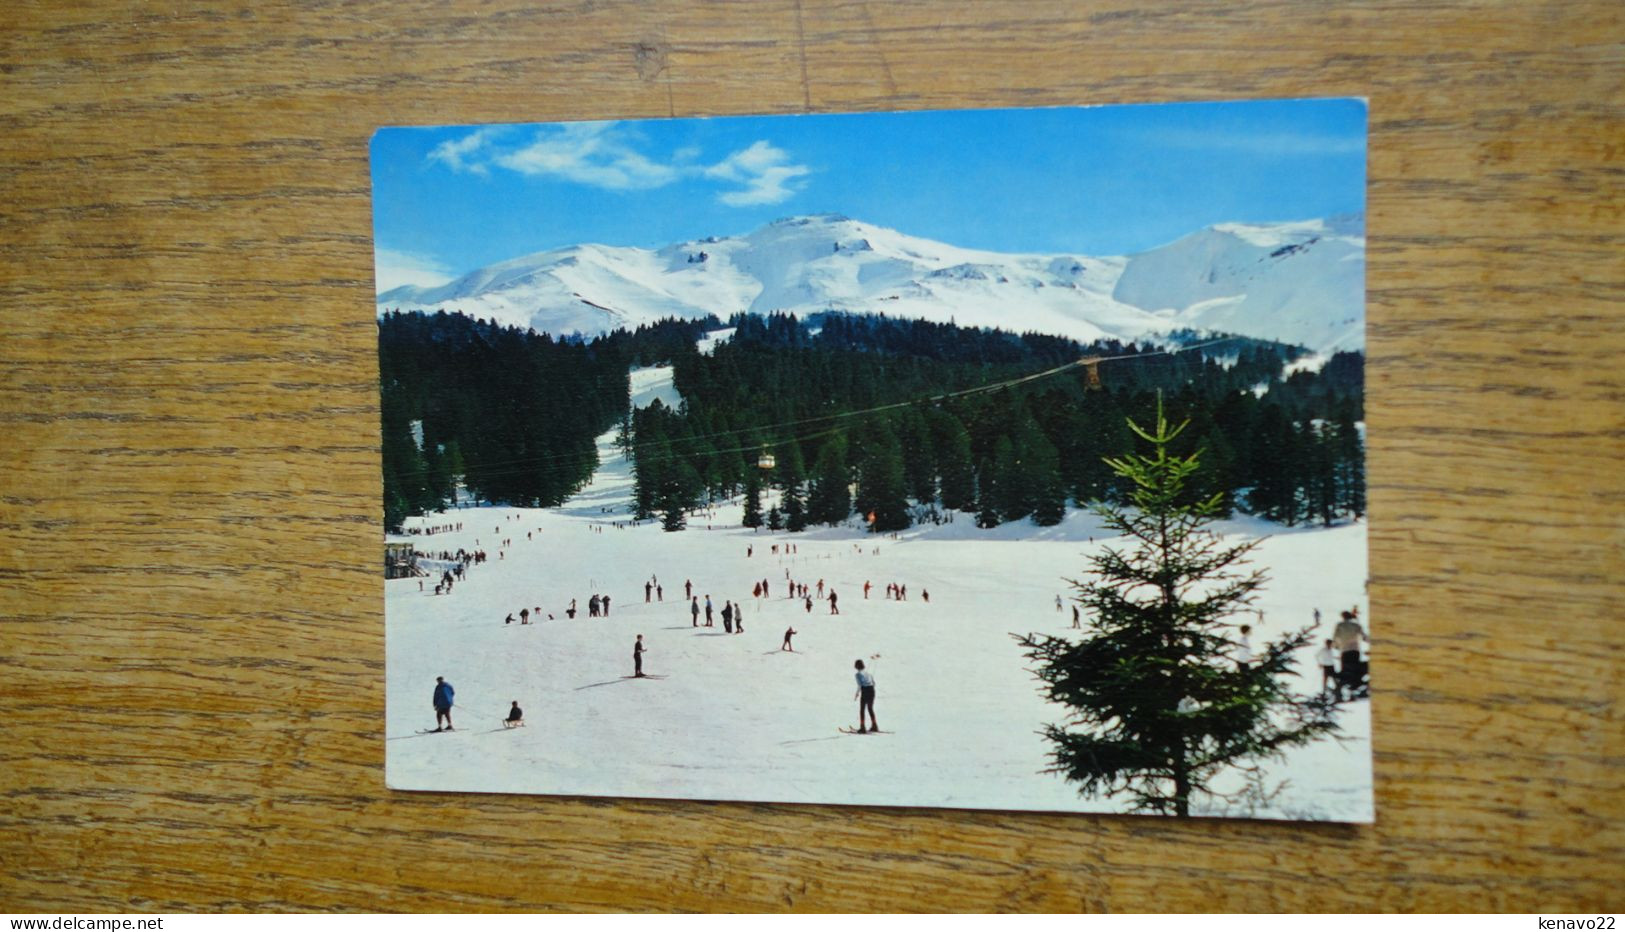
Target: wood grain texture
189,469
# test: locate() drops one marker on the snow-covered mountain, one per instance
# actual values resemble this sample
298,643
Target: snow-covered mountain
1298,282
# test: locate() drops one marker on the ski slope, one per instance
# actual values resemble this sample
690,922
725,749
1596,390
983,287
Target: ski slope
733,717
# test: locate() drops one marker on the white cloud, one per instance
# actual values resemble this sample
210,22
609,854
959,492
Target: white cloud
462,154
604,155
595,154
394,268
765,171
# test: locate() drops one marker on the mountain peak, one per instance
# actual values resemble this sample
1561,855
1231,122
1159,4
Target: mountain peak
1299,282
803,220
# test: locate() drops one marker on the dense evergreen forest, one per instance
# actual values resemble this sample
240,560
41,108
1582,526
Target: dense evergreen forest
510,412
1286,448
515,413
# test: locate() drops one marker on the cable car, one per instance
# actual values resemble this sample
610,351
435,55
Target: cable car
766,460
1092,364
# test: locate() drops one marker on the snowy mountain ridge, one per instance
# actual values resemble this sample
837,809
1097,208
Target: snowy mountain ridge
1300,282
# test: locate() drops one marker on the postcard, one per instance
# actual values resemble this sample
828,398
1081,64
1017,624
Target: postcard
992,459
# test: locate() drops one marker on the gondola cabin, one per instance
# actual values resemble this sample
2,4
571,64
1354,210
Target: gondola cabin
766,461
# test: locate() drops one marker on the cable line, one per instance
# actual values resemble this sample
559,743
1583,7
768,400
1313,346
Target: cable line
1082,361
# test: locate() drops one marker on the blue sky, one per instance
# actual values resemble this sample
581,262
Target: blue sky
1096,180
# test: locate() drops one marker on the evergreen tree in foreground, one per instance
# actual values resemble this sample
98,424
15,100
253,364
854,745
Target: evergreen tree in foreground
1160,709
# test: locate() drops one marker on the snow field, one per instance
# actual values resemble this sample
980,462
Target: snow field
733,717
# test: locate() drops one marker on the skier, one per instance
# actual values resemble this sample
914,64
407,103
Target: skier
443,694
809,604
788,634
637,657
866,697
648,591
571,611
688,589
1244,652
833,608
739,619
1327,658
866,587
728,617
1057,603
1346,637
765,594
516,717
694,610
1075,619
708,610
926,595
509,619
524,616
820,588
660,594
592,606
605,603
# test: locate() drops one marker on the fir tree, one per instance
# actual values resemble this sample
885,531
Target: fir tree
1218,473
881,491
987,513
919,459
829,501
775,521
795,512
1159,711
1050,507
1275,468
792,473
1040,469
753,500
1320,473
1350,457
1009,493
674,519
955,463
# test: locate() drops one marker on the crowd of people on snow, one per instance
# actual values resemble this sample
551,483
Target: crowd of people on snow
731,613
1344,670
423,530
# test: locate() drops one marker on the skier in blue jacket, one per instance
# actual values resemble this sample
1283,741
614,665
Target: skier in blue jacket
442,703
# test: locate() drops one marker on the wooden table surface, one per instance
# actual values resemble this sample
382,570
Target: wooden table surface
189,471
